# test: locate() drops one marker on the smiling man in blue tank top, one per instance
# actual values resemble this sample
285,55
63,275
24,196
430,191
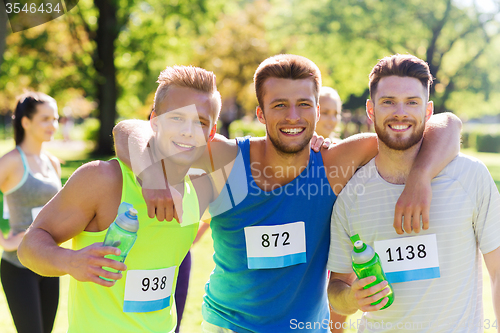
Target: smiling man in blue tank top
270,221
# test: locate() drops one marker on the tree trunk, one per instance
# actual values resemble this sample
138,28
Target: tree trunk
3,31
104,63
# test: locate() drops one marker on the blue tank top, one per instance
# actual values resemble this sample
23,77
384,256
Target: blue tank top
275,294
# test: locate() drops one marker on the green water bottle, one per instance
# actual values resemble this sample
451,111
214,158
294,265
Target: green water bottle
365,263
122,234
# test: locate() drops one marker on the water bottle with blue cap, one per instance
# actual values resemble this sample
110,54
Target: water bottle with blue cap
122,234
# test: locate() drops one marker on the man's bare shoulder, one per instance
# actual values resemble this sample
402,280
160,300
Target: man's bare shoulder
98,174
88,201
258,140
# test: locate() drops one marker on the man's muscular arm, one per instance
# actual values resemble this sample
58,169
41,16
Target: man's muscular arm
74,209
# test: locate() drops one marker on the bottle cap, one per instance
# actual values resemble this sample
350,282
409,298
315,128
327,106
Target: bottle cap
128,220
359,246
131,213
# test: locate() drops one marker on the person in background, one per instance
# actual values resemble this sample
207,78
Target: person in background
330,106
29,178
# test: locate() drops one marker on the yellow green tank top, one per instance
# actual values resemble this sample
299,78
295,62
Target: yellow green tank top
143,300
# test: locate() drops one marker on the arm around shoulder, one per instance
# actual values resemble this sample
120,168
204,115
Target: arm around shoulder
441,143
343,159
440,146
127,132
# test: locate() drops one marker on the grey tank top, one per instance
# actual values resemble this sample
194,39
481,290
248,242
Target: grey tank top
26,199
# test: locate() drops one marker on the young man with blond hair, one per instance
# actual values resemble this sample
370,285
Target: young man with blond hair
435,276
270,220
140,299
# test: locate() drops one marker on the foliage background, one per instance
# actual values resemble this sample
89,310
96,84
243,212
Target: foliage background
103,57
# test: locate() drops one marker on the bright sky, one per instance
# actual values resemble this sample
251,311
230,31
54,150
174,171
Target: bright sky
484,5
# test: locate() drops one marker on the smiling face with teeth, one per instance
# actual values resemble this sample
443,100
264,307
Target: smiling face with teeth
399,111
183,124
290,113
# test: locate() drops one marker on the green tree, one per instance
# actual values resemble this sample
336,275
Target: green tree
141,25
158,34
47,59
233,49
457,39
85,53
3,31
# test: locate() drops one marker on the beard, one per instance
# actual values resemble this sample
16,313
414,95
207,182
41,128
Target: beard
289,149
397,142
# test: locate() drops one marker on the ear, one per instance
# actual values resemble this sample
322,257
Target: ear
369,110
260,115
318,113
25,122
429,110
212,132
153,121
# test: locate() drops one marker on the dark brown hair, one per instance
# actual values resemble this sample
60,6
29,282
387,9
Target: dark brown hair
400,65
286,66
26,107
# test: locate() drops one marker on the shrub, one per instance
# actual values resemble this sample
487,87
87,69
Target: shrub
482,138
244,127
488,143
90,128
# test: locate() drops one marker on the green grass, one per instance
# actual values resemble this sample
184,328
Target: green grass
201,256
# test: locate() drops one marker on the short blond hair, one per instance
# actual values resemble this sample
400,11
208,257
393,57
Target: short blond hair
188,77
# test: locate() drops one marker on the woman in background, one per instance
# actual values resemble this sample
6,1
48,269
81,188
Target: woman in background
330,105
29,178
